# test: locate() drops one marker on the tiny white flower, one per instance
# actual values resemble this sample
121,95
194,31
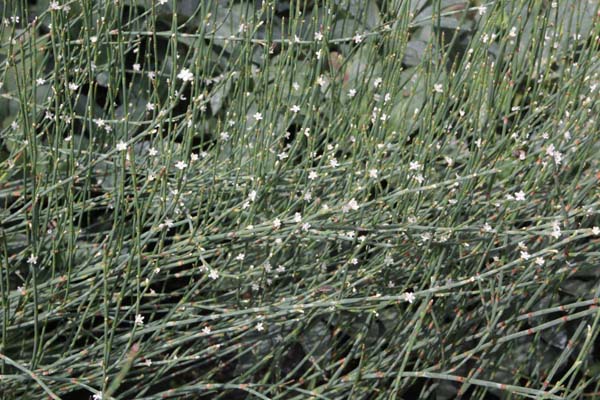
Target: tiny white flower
180,165
351,93
305,226
295,109
252,195
312,175
352,205
520,196
438,88
373,173
152,151
258,116
539,261
40,81
276,223
513,32
334,162
213,274
73,86
409,296
206,330
596,231
148,362
260,327
357,38
139,320
318,36
224,136
414,165
185,75
297,217
137,67
121,146
482,9
32,260
525,255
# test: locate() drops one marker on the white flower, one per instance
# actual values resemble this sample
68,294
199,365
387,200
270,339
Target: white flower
185,75
596,231
260,327
352,205
137,67
152,151
414,165
312,175
121,146
357,38
258,116
206,330
513,32
373,173
377,82
276,223
40,81
73,86
487,227
409,296
482,9
97,396
224,136
318,36
438,88
252,195
297,217
556,232
539,261
32,260
240,257
520,196
305,226
295,109
161,2
334,162
54,6
139,320
148,362
351,92
525,255
180,165
213,274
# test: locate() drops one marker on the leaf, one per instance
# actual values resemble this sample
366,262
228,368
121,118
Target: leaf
414,53
317,340
219,94
366,12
